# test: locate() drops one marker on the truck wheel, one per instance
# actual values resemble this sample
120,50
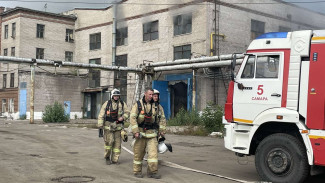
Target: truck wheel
281,158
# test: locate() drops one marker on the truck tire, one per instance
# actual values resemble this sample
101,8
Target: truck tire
282,158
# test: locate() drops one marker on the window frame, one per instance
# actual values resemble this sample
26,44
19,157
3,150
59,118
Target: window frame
5,52
181,24
256,24
95,41
67,56
12,80
13,30
122,36
40,53
182,51
4,81
149,30
40,30
6,31
13,51
69,35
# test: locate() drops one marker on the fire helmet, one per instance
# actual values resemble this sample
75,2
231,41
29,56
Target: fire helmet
156,91
124,135
115,92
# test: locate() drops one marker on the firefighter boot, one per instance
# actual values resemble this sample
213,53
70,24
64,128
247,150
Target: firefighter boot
108,161
154,175
138,175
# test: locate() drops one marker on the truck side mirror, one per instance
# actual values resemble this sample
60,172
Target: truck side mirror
233,65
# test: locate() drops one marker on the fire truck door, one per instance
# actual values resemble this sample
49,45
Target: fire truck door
258,86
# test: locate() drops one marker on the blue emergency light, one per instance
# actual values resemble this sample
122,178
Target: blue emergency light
273,35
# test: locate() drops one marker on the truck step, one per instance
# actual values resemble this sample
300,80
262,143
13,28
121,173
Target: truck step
242,131
240,148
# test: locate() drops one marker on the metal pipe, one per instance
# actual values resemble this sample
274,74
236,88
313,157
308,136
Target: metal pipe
114,34
194,90
196,65
195,60
32,80
41,62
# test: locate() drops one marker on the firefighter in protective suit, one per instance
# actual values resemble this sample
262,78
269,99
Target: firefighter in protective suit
111,118
145,129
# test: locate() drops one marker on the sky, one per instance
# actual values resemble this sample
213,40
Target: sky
58,6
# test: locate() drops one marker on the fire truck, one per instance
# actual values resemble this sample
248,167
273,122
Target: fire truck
275,107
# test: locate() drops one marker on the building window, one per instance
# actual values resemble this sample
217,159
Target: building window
284,29
5,52
257,28
94,75
122,36
12,80
69,36
4,104
13,32
6,31
4,83
69,56
150,31
40,31
39,53
182,24
182,52
13,50
94,41
11,105
120,77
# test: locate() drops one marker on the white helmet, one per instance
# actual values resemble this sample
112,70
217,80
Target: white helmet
162,148
155,91
115,92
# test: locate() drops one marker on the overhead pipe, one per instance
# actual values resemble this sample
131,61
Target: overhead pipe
196,65
42,62
195,60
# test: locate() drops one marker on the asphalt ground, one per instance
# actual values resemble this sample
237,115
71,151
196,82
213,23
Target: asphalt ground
65,153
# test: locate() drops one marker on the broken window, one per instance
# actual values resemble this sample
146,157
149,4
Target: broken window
257,28
95,41
182,24
150,31
69,36
69,56
39,53
182,52
40,31
122,36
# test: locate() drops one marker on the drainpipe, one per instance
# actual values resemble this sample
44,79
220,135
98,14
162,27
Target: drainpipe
32,79
114,34
194,90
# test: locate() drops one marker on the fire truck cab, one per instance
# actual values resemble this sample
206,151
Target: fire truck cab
275,107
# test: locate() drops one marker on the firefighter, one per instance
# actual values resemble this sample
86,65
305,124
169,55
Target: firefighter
145,130
160,118
111,118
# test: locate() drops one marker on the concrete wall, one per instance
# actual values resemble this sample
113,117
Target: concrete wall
51,88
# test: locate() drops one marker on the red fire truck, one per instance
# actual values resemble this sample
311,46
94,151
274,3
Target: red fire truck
275,107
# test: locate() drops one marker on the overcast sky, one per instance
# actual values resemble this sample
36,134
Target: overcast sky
58,6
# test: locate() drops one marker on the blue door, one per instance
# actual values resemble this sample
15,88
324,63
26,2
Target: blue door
67,107
22,102
162,87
